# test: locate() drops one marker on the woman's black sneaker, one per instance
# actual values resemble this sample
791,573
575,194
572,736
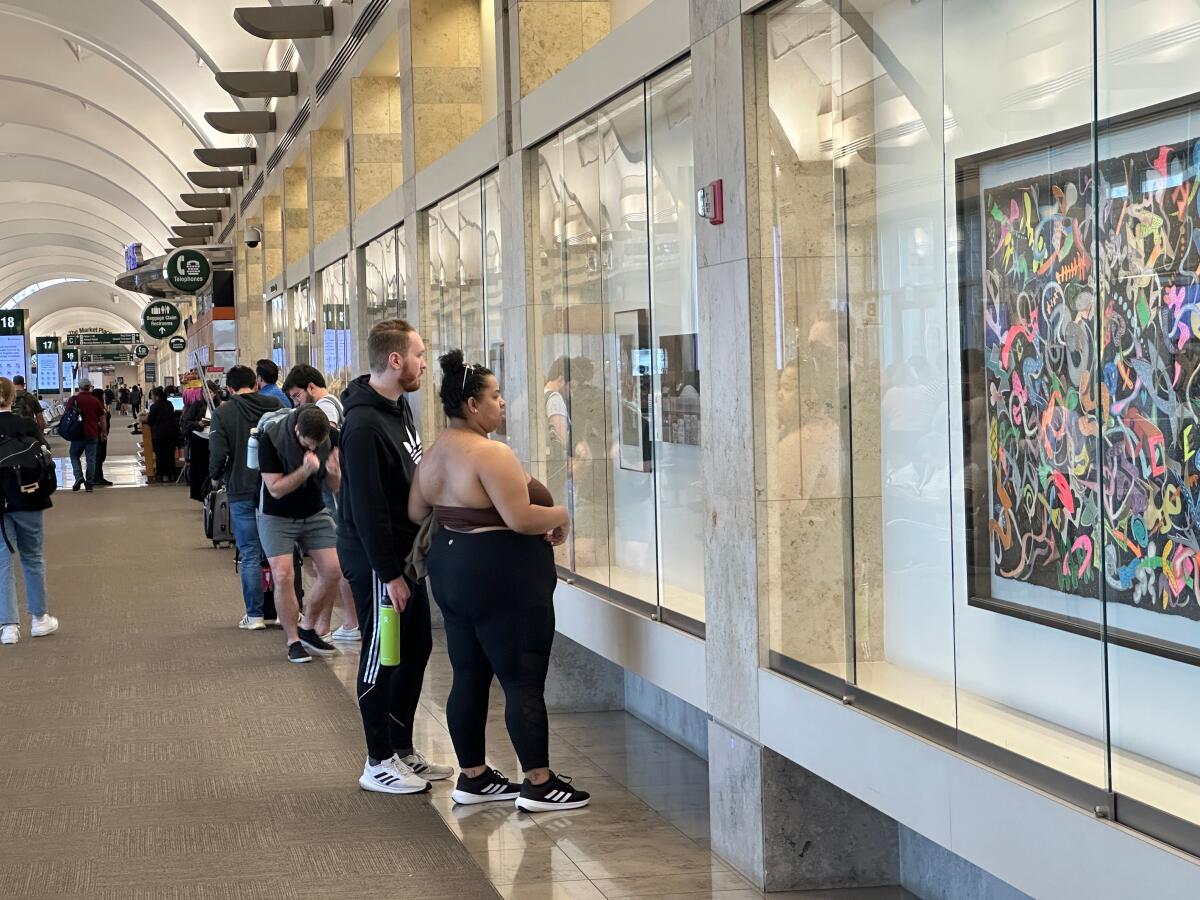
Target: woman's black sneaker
297,653
490,786
315,643
556,793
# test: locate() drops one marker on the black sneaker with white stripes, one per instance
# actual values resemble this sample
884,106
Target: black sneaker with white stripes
556,793
491,785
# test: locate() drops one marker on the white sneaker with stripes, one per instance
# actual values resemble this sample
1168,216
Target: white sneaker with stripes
427,770
488,787
392,777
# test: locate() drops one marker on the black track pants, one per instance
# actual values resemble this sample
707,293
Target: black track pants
387,695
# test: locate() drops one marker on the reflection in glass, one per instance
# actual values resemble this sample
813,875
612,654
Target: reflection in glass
280,327
336,363
303,323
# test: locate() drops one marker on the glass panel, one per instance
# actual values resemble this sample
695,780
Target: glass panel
675,371
585,428
1027,307
493,287
381,285
279,332
803,347
402,287
549,350
469,226
303,323
335,331
1150,356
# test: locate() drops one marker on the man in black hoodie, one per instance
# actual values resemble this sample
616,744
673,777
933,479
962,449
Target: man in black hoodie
228,434
380,449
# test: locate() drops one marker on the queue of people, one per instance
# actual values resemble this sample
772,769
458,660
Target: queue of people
386,525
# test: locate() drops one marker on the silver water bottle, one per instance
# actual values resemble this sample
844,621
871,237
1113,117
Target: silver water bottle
252,449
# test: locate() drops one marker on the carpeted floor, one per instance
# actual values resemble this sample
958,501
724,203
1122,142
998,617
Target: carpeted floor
150,749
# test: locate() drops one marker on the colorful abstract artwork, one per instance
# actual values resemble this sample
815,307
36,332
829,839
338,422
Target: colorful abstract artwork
1091,339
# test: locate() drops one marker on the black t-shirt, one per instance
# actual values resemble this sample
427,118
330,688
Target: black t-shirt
307,500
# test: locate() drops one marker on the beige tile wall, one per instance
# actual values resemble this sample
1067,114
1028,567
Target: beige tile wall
555,33
272,227
330,209
295,210
378,152
447,78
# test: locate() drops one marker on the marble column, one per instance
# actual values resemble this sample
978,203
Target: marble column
779,825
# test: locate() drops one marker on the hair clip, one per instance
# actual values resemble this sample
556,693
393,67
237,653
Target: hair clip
466,368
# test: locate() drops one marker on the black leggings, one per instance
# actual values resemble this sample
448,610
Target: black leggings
388,696
496,592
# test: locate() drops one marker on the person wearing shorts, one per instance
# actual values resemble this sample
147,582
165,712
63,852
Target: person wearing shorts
296,459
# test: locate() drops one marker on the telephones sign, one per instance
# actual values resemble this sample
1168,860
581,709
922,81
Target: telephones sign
187,270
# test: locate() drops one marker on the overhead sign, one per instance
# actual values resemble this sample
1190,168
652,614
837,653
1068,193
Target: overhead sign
178,343
187,270
107,356
161,319
12,343
94,338
141,351
47,365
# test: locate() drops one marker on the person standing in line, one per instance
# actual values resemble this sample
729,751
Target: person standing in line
135,398
381,447
227,439
268,381
102,444
305,384
95,426
491,570
22,524
296,457
164,435
27,405
123,400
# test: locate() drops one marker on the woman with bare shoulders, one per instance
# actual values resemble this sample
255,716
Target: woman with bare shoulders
491,571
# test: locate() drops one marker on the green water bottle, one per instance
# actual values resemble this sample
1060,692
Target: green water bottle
389,632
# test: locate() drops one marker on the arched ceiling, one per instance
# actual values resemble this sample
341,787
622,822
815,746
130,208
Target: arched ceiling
102,104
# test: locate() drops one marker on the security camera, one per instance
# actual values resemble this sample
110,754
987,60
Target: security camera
253,237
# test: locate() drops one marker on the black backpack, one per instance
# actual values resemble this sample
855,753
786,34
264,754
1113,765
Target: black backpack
70,426
26,470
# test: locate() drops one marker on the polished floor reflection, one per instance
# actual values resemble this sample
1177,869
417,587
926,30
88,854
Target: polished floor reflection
646,833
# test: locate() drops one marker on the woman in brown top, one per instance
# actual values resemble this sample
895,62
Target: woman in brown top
491,571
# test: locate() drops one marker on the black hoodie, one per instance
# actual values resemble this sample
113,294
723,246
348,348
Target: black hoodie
231,424
380,449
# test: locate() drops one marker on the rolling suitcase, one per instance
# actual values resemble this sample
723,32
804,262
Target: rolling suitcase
269,612
218,526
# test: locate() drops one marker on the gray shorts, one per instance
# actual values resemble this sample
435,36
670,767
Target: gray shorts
279,535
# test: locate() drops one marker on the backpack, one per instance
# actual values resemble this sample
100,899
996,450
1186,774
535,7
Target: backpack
24,405
70,426
269,425
26,470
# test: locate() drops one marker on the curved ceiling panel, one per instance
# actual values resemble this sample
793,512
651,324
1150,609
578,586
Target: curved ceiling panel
35,54
63,320
44,107
37,143
91,207
25,170
154,53
49,239
211,26
18,279
12,211
17,227
48,255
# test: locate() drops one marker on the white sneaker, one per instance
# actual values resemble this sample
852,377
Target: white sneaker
427,770
44,625
392,777
347,634
252,623
10,634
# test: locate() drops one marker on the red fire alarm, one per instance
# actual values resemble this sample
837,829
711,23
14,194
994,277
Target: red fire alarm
710,203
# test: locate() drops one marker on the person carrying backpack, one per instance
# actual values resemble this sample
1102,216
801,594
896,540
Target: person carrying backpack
27,479
27,405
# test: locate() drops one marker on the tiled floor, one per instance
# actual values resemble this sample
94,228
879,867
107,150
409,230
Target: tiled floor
645,834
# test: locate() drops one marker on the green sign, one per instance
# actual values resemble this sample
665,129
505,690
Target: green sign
161,319
178,343
91,356
187,270
141,351
70,356
12,322
95,338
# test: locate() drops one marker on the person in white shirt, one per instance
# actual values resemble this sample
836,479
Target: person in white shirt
306,384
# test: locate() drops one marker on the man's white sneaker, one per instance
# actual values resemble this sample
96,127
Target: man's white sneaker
252,623
44,625
10,634
392,777
427,770
347,634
